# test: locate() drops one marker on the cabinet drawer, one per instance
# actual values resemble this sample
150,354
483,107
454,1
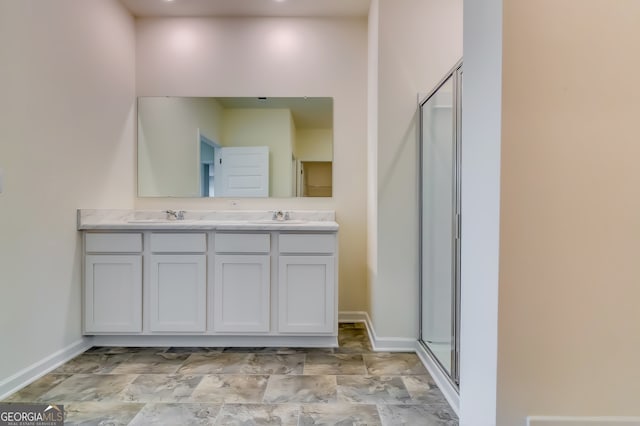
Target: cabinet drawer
243,243
307,243
178,243
113,243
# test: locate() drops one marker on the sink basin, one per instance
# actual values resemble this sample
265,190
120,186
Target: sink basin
279,222
151,221
254,222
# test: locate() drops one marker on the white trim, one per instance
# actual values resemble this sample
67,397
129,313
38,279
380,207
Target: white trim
379,344
578,421
438,376
391,344
353,316
38,369
480,252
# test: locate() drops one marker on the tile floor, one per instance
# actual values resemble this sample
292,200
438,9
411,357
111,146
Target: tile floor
349,385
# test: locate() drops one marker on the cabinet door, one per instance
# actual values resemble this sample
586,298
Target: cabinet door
177,293
113,293
306,294
241,293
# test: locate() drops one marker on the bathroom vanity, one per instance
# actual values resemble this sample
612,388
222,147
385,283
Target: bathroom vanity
212,279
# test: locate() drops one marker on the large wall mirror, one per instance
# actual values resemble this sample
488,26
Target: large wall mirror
235,147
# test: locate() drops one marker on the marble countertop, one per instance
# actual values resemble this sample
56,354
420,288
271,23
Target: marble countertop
223,220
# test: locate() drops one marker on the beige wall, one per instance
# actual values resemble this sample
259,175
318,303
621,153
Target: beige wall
169,144
66,142
314,144
419,41
569,323
286,57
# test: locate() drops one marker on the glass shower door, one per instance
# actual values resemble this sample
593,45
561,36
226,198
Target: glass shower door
440,224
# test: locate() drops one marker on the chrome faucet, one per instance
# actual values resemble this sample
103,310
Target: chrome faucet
175,215
280,215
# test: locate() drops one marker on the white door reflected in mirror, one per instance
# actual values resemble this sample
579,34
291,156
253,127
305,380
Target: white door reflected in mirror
244,172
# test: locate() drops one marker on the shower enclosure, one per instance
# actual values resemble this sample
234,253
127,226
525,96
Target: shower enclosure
440,222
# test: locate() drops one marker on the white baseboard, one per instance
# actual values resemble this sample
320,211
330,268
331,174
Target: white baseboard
582,421
38,369
379,344
353,316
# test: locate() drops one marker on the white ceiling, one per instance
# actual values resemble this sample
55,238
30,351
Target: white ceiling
290,8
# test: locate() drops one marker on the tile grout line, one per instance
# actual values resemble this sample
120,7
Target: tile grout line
337,362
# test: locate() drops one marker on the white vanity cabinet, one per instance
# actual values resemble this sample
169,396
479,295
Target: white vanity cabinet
113,283
177,282
259,283
241,285
306,283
